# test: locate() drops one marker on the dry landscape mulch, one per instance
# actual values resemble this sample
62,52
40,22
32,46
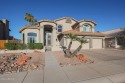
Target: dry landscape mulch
63,61
20,62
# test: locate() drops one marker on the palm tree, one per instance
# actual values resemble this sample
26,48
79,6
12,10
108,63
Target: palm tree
28,17
31,19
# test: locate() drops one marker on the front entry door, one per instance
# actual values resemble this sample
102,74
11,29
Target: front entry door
48,39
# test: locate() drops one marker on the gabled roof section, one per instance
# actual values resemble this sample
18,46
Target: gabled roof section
87,21
64,18
83,33
120,32
29,27
46,20
75,25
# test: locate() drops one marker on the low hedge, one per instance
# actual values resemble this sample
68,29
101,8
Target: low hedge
15,46
10,46
38,45
21,46
35,45
31,45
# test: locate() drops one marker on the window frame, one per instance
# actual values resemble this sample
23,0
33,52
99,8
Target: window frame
31,38
84,28
59,28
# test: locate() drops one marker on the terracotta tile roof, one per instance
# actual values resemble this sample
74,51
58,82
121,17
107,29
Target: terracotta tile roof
115,33
83,33
29,27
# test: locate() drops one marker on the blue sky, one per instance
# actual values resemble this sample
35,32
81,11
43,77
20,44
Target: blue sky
108,14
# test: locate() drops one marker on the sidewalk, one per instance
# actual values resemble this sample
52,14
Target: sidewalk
53,73
35,76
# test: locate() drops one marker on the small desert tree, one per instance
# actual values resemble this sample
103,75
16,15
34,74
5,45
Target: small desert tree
72,38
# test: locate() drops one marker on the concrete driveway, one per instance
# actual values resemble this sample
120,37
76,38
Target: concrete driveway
108,67
105,54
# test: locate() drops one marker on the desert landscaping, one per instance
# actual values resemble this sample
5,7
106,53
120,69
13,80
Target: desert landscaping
21,62
77,60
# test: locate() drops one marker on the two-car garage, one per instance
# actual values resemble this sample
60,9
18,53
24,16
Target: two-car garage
94,43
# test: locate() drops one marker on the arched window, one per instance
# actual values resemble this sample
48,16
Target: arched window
32,37
86,27
59,28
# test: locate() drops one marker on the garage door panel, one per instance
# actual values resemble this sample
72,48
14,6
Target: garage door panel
97,43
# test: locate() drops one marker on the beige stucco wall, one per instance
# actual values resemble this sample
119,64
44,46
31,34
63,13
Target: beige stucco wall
92,25
66,26
26,31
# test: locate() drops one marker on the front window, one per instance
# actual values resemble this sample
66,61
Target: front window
59,28
32,37
86,28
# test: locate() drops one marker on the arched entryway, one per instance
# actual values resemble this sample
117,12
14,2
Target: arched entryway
48,35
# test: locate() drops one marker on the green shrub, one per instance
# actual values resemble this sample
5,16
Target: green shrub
31,45
122,47
15,46
10,46
38,45
21,46
35,45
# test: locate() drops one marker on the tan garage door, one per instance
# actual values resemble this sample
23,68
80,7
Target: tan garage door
97,43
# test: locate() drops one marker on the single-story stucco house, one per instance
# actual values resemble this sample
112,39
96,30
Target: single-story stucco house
115,38
53,33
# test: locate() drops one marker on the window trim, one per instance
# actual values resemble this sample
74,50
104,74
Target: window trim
85,28
59,28
32,37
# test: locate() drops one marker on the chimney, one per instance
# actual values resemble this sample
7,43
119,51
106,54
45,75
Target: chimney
6,28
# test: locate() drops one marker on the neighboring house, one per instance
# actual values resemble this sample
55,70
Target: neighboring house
115,38
4,29
53,33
